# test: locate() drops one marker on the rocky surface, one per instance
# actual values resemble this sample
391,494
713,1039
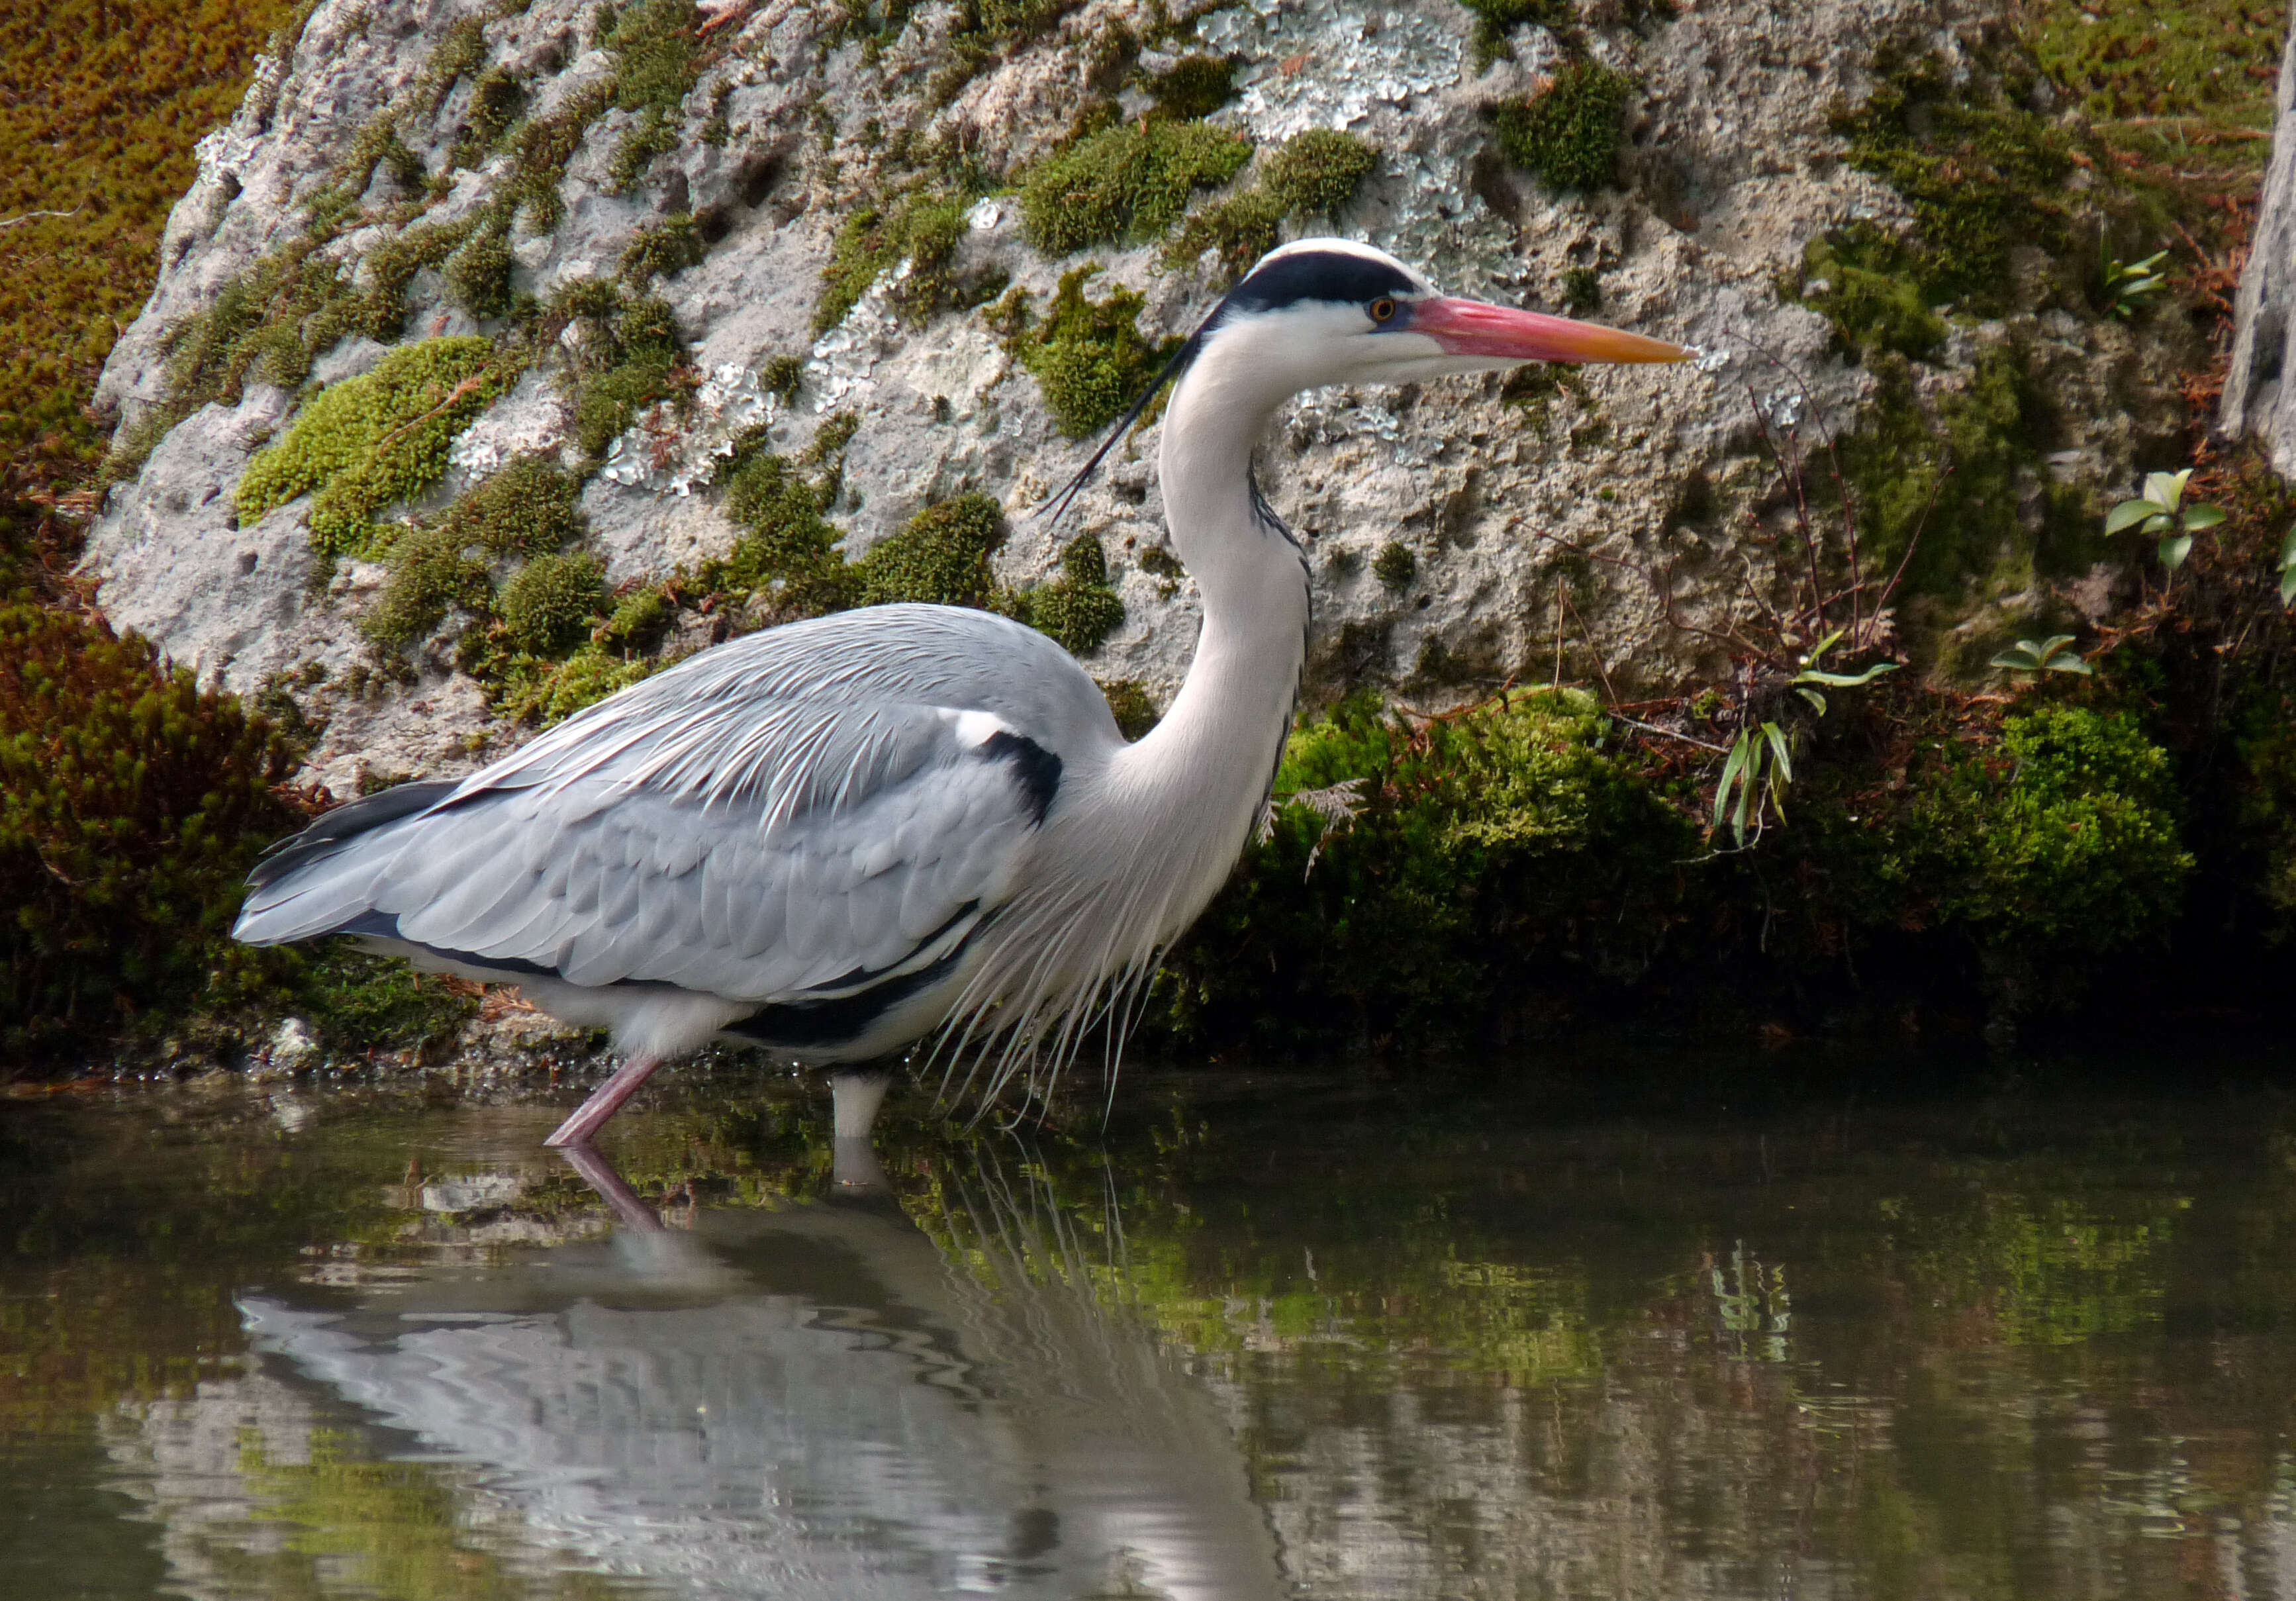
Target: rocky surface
1730,170
2257,398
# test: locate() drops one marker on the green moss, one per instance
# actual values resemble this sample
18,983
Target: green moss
357,1004
1874,294
498,101
781,375
941,557
391,266
2061,848
461,51
479,274
430,572
1496,19
2213,61
1087,355
639,622
1241,227
545,692
554,601
630,356
1982,173
367,442
1503,863
923,229
268,323
1193,86
1131,705
1395,566
131,803
1131,182
100,106
539,150
663,249
1569,133
1582,290
529,509
1078,609
788,553
1954,475
274,320
653,45
1316,173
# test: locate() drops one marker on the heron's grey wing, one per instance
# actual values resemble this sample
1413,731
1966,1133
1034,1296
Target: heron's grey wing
761,851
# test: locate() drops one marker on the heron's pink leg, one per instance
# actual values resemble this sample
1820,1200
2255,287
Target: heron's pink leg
604,1102
620,1198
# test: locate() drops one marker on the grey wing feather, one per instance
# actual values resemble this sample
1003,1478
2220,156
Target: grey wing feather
800,813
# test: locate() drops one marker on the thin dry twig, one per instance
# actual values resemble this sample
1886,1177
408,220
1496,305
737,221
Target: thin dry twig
36,216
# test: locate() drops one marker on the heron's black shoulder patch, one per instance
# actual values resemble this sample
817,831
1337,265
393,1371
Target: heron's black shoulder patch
1340,275
1038,769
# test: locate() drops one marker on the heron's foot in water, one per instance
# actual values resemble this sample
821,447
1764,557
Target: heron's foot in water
604,1102
857,1094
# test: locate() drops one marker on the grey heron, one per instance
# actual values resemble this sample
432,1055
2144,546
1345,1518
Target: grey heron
838,836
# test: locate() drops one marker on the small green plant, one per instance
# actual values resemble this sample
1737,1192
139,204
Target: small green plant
2042,656
2131,287
2163,513
1754,779
2288,569
1395,566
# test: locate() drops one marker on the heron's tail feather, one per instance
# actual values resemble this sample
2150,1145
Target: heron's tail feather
316,882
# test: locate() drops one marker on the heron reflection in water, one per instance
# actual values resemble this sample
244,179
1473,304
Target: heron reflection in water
835,837
816,1401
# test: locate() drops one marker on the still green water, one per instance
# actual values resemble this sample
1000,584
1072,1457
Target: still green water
1250,1336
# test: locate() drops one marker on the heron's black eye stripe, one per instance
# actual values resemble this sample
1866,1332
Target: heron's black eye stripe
1382,309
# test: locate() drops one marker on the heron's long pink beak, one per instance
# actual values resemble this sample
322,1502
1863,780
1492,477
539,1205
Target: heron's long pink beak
1471,328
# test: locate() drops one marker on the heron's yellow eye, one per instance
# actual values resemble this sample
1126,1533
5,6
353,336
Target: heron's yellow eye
1382,309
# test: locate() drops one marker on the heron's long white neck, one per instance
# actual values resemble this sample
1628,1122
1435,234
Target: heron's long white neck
1197,778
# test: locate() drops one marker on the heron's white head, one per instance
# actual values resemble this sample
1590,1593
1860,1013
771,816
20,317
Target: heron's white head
1330,311
1319,312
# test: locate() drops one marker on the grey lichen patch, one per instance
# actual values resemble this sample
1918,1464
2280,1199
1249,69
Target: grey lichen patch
1569,131
1130,181
1089,357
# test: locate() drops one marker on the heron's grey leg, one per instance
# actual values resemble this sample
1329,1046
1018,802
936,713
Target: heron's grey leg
854,1167
604,1102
